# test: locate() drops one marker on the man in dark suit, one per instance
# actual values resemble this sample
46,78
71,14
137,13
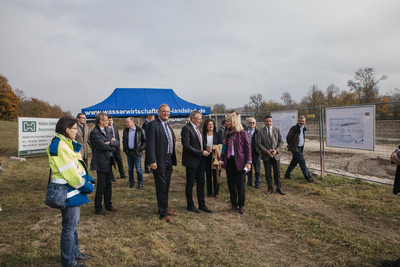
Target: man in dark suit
192,157
160,149
134,142
102,149
117,154
82,136
253,133
149,118
270,144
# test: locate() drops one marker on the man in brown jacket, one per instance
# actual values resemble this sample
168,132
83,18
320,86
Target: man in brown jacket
82,136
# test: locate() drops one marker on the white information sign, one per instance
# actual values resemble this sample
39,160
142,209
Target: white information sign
284,120
351,127
34,135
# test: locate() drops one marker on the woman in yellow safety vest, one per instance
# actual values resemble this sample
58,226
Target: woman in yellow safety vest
68,168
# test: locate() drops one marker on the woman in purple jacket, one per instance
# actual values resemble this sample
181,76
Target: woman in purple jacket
236,160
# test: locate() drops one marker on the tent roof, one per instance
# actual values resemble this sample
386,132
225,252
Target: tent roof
126,102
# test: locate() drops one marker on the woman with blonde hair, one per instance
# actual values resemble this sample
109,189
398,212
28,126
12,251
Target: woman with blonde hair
236,160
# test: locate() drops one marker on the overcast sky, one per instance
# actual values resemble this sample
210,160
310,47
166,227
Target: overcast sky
74,53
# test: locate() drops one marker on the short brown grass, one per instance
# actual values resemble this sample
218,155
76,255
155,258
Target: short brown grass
333,222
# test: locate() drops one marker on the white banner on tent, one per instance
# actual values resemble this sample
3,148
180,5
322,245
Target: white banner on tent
34,135
351,127
284,120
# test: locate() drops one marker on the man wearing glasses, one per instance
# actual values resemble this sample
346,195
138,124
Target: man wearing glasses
192,157
253,133
82,136
102,149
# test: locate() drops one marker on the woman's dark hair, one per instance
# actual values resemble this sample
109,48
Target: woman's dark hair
205,125
64,123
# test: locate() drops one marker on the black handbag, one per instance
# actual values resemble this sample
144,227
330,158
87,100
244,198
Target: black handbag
56,196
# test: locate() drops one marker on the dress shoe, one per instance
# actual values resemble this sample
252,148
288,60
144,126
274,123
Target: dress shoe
249,185
270,191
170,213
233,210
310,180
193,209
257,186
113,180
84,257
131,186
280,191
241,210
123,176
388,263
78,265
287,177
216,196
166,219
204,208
140,187
208,195
111,209
102,212
147,171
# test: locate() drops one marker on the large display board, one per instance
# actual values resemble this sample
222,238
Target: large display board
34,135
351,127
284,120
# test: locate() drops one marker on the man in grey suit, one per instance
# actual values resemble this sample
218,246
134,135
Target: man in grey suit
270,143
82,136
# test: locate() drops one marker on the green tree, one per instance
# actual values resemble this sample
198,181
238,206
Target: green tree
8,101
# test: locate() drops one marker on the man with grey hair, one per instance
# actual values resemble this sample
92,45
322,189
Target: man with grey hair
295,140
192,158
253,133
102,148
160,149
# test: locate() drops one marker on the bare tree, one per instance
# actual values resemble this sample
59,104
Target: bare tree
332,94
287,100
255,103
365,85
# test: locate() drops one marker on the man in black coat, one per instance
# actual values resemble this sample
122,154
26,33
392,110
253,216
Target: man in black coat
192,157
134,142
117,154
253,133
149,118
295,139
102,150
160,150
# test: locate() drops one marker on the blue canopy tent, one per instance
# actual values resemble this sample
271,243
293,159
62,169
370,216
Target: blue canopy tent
134,102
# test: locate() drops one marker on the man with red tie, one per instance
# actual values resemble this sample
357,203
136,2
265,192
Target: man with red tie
192,157
160,149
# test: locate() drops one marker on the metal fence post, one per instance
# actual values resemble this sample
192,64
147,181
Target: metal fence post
321,139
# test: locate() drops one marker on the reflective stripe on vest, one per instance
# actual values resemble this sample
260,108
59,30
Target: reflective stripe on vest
58,180
73,193
67,166
82,173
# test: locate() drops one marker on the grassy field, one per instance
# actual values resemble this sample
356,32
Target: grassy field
333,222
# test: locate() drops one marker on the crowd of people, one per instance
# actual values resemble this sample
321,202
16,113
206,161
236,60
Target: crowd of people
235,147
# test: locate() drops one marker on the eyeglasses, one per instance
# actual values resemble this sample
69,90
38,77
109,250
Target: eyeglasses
82,117
75,128
252,122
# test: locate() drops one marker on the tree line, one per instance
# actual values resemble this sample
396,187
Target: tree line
14,103
363,89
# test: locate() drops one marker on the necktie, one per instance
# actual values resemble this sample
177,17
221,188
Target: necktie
169,139
250,133
269,134
112,128
199,136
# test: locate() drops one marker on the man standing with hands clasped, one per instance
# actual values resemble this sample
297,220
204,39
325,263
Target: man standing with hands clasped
160,148
192,158
270,144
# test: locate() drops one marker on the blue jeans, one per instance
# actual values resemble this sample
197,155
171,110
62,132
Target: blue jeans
135,162
298,158
69,235
257,172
